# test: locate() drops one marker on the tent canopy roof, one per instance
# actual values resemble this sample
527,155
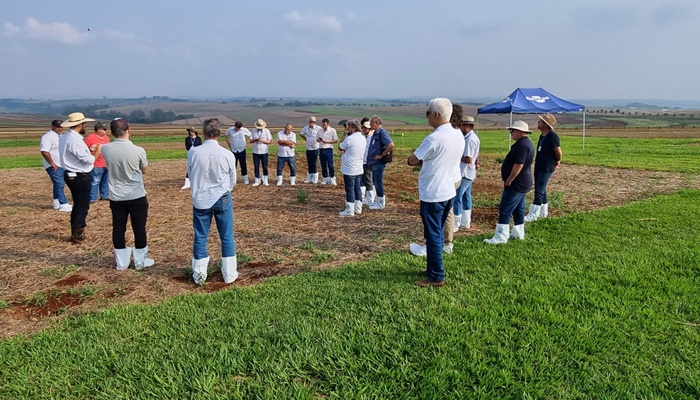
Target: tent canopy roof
530,101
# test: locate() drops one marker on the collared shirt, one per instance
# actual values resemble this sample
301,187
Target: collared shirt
380,139
92,139
310,135
440,152
471,149
124,162
49,144
369,140
237,137
74,153
521,152
546,161
329,134
351,161
260,147
212,172
286,151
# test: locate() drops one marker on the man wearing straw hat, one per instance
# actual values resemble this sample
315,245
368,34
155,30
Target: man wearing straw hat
77,162
260,137
310,133
548,159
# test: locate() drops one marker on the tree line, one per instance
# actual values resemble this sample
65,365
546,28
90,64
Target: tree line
137,116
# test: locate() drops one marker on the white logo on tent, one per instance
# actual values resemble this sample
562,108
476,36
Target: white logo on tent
538,99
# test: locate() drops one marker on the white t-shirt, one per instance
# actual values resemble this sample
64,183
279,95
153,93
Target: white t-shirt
311,134
329,134
237,138
260,147
49,143
369,140
351,161
441,152
286,151
471,149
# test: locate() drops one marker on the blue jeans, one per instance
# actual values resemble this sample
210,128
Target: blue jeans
257,159
99,183
463,200
378,178
434,216
512,202
352,187
222,211
327,163
291,161
58,184
541,180
312,160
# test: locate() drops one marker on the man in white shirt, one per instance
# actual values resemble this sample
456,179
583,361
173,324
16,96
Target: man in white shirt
286,141
438,154
48,146
237,138
310,134
463,201
326,139
260,138
77,162
367,182
212,171
353,147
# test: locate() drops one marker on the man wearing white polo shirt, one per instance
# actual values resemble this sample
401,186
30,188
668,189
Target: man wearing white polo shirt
237,138
353,147
326,139
286,141
212,171
310,134
52,165
260,137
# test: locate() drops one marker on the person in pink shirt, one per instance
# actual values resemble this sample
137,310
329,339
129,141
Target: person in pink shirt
98,176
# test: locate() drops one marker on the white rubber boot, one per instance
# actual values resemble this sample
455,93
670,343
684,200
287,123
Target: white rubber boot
314,178
266,182
501,235
141,259
325,181
363,189
56,204
379,203
518,232
533,214
279,180
229,269
458,220
122,257
293,180
199,270
246,180
333,182
257,182
544,211
186,185
369,197
466,221
309,179
349,210
417,250
358,207
65,207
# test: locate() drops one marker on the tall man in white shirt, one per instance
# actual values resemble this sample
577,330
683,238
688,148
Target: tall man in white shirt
326,139
463,201
353,147
77,163
52,164
438,153
310,133
261,138
237,138
212,171
286,141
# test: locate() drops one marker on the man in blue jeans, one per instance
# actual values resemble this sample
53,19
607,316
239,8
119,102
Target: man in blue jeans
517,180
212,171
52,165
379,145
438,155
548,159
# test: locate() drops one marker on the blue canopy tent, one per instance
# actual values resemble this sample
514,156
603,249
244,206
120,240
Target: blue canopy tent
534,101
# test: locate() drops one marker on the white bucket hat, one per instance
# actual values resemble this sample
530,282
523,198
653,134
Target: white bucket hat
520,126
260,124
75,119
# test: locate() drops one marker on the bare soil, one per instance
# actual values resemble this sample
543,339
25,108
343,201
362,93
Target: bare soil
278,231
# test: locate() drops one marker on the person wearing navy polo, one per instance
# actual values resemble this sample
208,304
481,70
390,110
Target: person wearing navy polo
380,145
547,161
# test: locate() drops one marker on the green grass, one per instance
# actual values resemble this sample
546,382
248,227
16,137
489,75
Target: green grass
593,305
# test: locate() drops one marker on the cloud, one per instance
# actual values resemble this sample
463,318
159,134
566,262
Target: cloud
116,35
313,23
11,29
607,18
672,15
60,31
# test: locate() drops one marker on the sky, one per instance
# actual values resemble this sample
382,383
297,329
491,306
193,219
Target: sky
598,49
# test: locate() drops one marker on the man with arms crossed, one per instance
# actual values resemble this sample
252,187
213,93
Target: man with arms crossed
52,164
310,133
286,142
99,172
327,137
548,159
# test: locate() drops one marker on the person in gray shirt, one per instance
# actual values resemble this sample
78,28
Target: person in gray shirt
126,164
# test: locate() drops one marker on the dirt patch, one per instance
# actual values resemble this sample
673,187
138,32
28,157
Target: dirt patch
278,230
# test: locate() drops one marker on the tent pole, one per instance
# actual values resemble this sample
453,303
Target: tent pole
584,129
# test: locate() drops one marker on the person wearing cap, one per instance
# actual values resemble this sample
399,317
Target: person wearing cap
286,142
48,146
367,187
326,138
212,169
438,155
98,175
77,161
517,180
353,146
547,160
310,133
192,140
237,139
126,164
261,138
463,200
380,145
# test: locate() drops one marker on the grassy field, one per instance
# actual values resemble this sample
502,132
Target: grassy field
595,305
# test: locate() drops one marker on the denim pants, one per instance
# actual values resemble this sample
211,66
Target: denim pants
512,202
121,210
291,161
541,180
367,177
378,178
79,186
463,199
327,163
58,184
352,187
99,184
257,159
222,211
312,160
240,159
434,216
